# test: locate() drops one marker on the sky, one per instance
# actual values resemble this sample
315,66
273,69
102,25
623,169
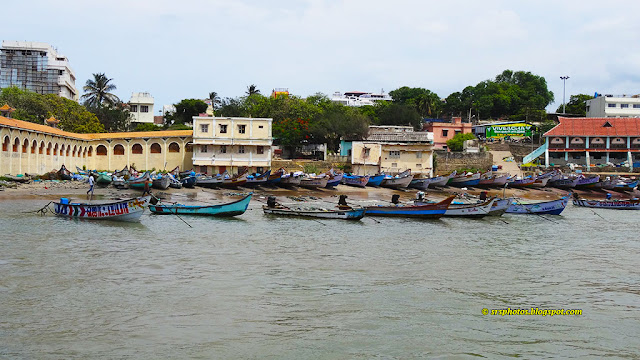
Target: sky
186,49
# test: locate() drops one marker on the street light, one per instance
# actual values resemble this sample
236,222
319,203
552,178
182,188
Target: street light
564,103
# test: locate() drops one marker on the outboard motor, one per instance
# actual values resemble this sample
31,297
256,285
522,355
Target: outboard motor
608,196
342,201
395,199
271,201
420,195
483,195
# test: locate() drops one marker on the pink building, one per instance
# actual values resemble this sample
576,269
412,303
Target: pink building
446,131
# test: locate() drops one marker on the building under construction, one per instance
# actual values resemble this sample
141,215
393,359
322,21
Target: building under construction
36,67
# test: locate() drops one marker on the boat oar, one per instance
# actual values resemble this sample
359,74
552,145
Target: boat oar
176,213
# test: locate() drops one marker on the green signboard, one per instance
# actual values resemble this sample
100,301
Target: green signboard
498,131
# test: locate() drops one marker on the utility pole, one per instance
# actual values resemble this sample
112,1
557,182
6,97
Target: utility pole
564,103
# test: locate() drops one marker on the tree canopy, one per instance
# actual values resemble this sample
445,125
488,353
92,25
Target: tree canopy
97,91
34,107
577,105
457,143
186,110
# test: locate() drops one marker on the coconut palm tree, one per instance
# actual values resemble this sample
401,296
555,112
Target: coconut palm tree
252,89
215,101
97,91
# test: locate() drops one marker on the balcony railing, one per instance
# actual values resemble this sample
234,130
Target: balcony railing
576,146
557,146
597,146
618,146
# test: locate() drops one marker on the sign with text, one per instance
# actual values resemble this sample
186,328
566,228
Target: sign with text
498,131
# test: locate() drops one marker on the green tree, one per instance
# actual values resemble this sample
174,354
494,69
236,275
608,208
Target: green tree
457,143
291,132
252,89
114,119
399,115
97,91
148,127
187,109
577,105
425,102
233,107
216,102
338,121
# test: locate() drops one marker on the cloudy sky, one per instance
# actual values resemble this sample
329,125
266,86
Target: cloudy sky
186,49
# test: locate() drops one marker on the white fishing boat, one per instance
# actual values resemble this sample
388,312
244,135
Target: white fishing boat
125,210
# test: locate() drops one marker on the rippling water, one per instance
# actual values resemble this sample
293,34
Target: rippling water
263,287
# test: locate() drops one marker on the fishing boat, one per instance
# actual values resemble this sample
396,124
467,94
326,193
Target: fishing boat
230,209
500,206
257,180
355,180
440,181
486,179
465,180
81,172
122,173
540,182
64,174
118,182
334,179
189,181
314,182
161,182
19,179
553,207
125,210
173,182
428,211
343,212
630,204
477,210
375,180
420,183
521,182
208,181
104,179
620,184
138,183
291,179
186,173
235,181
563,183
275,177
400,181
584,182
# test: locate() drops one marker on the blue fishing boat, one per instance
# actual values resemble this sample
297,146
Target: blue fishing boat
553,207
257,179
465,180
189,181
230,209
427,211
275,177
355,180
375,180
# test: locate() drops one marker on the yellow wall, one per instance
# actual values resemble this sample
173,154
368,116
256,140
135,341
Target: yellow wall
380,159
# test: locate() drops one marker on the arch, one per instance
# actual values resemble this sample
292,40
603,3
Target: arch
62,147
41,149
557,140
118,150
49,148
68,149
618,140
55,150
34,145
25,146
174,147
577,140
136,149
188,147
89,151
5,144
16,143
597,140
75,151
156,148
101,150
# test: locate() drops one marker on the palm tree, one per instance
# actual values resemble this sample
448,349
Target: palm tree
97,91
252,89
215,101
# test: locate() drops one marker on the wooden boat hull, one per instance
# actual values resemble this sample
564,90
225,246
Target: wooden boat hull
258,180
334,180
500,206
429,211
540,183
208,182
223,210
314,182
189,181
563,183
554,207
464,181
421,184
587,182
234,182
103,180
126,210
354,214
20,179
397,183
138,183
162,183
440,181
288,180
609,204
522,183
375,180
356,180
64,174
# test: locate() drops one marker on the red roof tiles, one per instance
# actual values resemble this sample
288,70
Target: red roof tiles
595,127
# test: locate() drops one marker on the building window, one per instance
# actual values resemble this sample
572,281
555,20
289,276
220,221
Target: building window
260,150
456,132
144,108
223,129
223,149
101,150
25,146
419,166
134,108
5,144
366,152
636,106
445,133
188,147
155,148
118,150
16,143
242,129
204,128
611,105
624,106
394,165
419,155
174,147
394,154
203,148
260,127
241,149
136,149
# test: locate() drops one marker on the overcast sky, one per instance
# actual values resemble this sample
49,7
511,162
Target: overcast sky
186,49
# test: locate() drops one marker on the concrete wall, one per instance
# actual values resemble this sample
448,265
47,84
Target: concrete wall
449,161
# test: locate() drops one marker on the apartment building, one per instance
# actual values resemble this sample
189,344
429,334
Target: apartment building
141,108
604,106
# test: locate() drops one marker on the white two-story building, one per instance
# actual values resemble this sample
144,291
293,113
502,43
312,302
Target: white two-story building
604,106
141,108
227,144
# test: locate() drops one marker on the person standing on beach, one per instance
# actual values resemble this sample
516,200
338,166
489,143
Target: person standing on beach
147,187
91,183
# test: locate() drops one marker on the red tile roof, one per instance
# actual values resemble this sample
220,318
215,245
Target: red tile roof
595,127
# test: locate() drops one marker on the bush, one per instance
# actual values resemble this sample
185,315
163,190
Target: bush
456,144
